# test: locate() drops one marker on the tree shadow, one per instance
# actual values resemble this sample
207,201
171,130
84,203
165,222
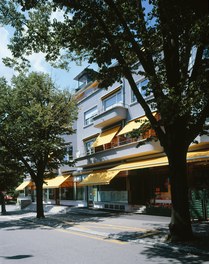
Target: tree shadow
130,236
172,255
61,220
12,225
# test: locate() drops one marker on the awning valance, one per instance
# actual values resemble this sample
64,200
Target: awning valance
105,137
99,178
162,161
197,155
23,185
59,181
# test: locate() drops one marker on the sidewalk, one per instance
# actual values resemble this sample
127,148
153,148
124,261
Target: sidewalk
125,227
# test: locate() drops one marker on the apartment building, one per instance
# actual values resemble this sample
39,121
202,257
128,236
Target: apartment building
110,171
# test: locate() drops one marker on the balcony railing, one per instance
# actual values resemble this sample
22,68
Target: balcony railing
110,145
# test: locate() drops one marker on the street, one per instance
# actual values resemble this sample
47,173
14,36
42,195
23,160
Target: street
81,240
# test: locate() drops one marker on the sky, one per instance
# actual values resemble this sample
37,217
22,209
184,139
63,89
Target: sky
63,78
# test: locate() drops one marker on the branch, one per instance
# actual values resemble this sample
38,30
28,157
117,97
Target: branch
197,63
147,62
170,43
129,76
142,52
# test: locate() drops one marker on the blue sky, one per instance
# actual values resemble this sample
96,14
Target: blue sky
63,78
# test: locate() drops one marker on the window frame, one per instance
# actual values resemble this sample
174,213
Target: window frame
117,95
69,152
143,92
88,121
88,149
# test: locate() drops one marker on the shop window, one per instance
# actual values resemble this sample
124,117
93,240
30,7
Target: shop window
66,193
51,194
80,193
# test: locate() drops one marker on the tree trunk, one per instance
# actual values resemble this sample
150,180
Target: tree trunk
2,202
39,199
180,225
3,207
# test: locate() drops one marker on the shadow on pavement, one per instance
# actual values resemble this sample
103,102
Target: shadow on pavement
153,253
17,257
129,236
28,220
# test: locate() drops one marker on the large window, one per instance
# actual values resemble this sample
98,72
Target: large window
89,115
66,193
80,193
88,146
112,100
141,86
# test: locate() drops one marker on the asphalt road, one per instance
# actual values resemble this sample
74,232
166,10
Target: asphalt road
82,240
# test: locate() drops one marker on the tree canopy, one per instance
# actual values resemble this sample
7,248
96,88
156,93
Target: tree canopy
166,42
34,115
11,171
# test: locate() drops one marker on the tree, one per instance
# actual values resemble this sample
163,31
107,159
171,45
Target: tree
33,117
10,173
164,41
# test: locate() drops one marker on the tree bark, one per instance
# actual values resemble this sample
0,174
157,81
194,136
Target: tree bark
180,225
3,207
39,199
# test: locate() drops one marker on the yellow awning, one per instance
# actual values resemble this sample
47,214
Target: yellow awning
162,161
197,155
105,137
141,164
59,181
99,178
23,185
134,124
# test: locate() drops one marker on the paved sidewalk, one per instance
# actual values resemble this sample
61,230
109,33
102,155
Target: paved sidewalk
125,227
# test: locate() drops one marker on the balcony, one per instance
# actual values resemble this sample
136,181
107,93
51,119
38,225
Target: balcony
113,115
115,151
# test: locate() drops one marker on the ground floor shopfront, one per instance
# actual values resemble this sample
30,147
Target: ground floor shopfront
144,185
141,185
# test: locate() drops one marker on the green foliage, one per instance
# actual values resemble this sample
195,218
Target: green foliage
34,116
10,170
166,42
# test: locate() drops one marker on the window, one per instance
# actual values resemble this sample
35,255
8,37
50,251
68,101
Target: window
66,193
142,89
112,100
88,146
80,193
69,153
89,115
